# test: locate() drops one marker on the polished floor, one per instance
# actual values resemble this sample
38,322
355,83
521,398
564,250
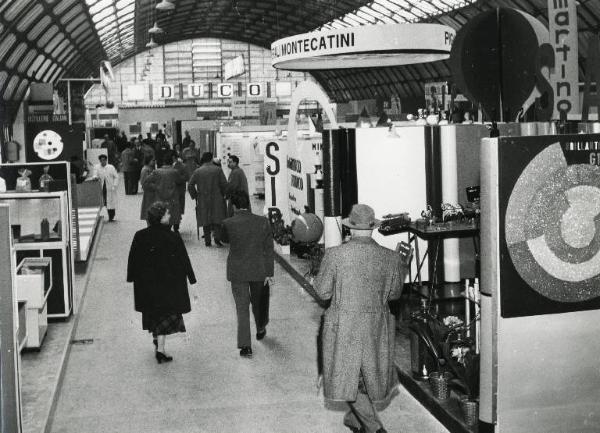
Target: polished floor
113,383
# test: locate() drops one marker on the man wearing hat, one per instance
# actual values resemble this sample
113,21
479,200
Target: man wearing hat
109,179
360,277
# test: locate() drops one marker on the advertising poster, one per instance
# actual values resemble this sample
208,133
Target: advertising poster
302,160
549,201
275,174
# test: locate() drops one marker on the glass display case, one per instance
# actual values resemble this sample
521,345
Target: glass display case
35,217
34,285
41,227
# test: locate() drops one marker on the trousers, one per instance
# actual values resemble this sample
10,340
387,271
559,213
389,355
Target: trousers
362,411
216,231
247,293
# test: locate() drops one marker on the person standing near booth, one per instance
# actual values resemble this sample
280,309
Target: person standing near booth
236,182
109,178
163,183
207,186
359,278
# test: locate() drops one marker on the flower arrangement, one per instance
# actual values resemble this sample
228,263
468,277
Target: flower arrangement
282,234
464,364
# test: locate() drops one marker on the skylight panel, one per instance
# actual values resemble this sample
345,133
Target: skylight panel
113,20
396,10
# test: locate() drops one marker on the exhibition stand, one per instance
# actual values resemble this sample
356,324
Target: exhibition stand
41,226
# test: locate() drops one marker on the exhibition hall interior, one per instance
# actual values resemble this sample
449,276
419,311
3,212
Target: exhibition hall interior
285,216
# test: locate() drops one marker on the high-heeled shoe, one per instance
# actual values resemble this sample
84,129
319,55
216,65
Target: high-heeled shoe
161,357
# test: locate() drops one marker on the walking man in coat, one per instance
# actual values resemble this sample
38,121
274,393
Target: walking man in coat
236,182
249,265
129,167
207,186
360,277
163,182
109,178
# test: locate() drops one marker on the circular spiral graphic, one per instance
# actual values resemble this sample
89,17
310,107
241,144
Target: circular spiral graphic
553,227
48,145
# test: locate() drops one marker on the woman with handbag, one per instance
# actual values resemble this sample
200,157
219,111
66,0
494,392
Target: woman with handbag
159,266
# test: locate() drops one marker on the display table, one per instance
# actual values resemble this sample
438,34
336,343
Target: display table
435,234
28,211
34,284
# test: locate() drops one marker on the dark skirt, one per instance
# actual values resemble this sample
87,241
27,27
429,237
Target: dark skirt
163,324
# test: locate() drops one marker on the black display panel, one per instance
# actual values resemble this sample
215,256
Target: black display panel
53,141
549,202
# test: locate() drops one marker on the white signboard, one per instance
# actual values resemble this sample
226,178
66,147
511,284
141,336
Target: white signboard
301,160
276,173
562,21
195,90
224,90
364,46
135,92
234,67
283,88
165,91
254,90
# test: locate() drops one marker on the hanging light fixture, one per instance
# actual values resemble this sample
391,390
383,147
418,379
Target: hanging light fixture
155,30
165,5
151,44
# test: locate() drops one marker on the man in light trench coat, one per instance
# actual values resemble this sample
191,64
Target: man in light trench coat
358,331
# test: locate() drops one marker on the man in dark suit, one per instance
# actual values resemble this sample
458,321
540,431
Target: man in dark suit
207,186
249,264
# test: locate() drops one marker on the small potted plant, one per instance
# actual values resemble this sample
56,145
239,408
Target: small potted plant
464,364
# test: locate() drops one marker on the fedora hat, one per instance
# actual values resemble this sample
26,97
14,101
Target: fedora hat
362,217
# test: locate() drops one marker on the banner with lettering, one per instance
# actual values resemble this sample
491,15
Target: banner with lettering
562,21
301,161
276,173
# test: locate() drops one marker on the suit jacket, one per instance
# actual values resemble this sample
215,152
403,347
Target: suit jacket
237,182
359,332
250,247
158,266
207,186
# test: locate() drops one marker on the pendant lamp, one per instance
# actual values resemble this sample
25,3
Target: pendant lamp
151,44
165,5
154,30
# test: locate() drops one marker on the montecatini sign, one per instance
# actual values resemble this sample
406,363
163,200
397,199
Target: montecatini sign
378,45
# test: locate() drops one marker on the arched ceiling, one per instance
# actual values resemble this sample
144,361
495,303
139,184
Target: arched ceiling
44,40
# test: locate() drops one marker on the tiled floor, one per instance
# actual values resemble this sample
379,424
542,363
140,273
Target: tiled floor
115,385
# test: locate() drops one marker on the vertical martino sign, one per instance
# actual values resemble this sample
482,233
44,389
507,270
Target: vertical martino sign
562,20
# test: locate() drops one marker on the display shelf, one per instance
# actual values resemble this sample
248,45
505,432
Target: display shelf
27,211
34,285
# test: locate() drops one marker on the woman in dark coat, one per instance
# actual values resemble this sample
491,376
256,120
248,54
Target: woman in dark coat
158,267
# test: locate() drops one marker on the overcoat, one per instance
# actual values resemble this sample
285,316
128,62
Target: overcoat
108,175
250,247
158,266
163,183
148,197
359,331
183,178
190,157
128,160
236,182
207,186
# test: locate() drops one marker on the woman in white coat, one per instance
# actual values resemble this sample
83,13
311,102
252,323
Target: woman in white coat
109,178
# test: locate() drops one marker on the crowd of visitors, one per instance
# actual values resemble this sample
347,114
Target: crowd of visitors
356,338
